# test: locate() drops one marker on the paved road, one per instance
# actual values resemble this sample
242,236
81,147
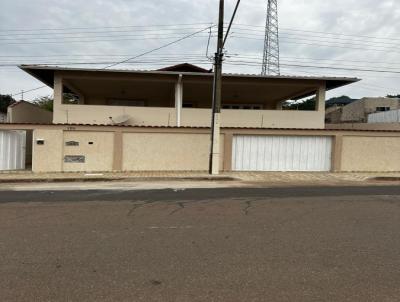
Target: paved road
237,244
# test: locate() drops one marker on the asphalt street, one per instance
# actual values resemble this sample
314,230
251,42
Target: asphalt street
214,244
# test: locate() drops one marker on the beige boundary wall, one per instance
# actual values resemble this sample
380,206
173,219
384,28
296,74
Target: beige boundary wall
113,148
171,151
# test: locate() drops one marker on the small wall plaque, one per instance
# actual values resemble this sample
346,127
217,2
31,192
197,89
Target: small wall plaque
72,144
75,159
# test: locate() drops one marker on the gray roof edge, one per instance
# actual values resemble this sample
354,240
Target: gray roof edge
30,68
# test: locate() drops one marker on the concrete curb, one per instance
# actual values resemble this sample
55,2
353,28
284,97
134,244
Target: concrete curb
116,179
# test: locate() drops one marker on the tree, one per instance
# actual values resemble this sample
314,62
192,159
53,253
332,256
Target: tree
308,104
44,102
5,101
393,96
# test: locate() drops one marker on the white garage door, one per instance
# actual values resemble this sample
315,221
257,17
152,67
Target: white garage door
12,150
282,153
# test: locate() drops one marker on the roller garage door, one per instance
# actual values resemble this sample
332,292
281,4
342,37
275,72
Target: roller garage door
281,153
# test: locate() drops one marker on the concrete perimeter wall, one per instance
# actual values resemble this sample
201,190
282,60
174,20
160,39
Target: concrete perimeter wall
109,148
370,153
171,151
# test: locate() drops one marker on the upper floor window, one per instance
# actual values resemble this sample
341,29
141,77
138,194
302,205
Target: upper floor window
187,105
380,109
243,106
70,98
129,103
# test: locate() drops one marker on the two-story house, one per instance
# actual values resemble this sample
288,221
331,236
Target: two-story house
181,96
159,120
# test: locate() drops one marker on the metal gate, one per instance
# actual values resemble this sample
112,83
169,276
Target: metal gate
282,153
12,150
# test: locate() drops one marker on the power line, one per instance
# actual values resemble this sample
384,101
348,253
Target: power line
56,34
200,58
146,35
177,56
318,67
92,41
158,48
30,90
102,27
324,45
238,35
322,32
320,38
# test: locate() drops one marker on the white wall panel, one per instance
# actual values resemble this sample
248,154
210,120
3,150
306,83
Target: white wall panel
12,150
282,153
392,116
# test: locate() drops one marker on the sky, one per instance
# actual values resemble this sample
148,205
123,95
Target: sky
331,38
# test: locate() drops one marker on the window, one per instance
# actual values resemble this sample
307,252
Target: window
130,103
380,109
243,106
187,105
71,144
70,98
78,159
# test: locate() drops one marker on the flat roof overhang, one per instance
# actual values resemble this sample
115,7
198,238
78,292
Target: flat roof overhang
46,75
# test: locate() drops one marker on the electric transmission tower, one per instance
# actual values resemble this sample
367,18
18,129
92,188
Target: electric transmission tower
271,44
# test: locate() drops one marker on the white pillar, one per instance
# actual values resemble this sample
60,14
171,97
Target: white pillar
58,99
320,98
178,100
215,152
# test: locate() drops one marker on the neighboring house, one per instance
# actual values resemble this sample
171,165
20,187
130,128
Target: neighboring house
333,114
126,120
25,112
392,116
182,96
3,117
358,111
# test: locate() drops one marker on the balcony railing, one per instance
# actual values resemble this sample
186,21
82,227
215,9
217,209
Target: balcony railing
98,115
255,118
190,117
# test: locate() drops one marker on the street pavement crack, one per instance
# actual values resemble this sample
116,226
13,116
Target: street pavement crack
180,205
249,205
131,212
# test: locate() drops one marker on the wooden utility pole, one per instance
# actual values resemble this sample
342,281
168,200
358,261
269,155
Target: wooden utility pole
217,96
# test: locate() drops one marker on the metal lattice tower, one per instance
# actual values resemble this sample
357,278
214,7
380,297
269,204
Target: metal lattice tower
271,44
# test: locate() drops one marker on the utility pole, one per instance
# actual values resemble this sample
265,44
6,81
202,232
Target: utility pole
217,96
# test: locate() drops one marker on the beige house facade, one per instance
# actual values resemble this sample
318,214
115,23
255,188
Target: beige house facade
173,98
160,121
66,148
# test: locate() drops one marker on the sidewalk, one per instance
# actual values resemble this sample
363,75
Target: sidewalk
25,176
247,177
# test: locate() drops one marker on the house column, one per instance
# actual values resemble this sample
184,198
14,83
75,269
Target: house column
58,98
279,105
321,98
178,100
337,153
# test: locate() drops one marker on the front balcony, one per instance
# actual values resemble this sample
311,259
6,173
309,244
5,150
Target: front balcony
183,101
